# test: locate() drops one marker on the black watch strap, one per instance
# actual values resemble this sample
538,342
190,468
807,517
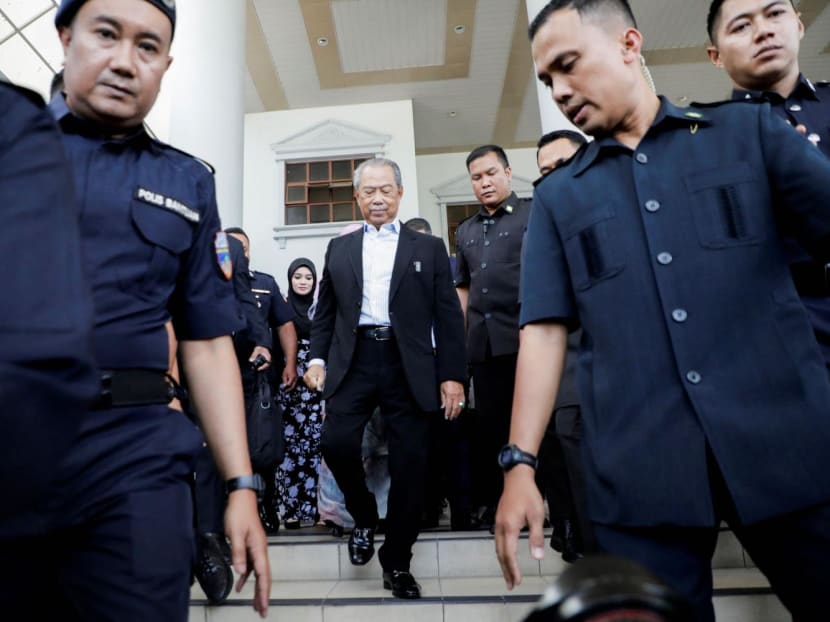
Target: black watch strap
511,455
246,482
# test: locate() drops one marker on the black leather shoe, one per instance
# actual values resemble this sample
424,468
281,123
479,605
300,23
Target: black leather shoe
402,584
361,545
270,520
213,567
571,543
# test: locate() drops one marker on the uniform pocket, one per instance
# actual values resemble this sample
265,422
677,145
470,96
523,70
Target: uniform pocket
167,235
725,211
593,251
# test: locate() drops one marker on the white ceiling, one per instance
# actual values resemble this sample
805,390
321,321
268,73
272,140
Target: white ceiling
375,34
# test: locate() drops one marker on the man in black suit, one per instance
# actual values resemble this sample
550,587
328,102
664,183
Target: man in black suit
389,325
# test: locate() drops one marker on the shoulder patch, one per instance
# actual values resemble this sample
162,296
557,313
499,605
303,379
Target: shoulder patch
223,254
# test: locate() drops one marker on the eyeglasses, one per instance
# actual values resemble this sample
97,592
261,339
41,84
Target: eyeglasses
369,191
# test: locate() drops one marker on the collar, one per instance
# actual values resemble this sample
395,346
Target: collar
804,89
70,123
391,227
505,207
668,114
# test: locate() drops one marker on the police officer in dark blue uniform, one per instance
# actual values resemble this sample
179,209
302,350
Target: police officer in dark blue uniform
488,247
47,375
115,541
757,42
703,390
277,317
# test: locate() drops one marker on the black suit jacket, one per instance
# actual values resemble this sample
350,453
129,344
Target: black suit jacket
421,299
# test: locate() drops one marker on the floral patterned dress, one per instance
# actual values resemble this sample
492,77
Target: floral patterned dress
302,418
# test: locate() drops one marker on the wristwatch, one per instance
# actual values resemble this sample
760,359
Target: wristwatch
246,482
510,456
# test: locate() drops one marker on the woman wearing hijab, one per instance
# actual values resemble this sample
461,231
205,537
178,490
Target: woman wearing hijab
302,412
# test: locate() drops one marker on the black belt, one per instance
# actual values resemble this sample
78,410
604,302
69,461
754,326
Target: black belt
378,333
135,387
811,278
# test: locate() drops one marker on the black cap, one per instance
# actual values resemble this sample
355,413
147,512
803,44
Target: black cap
68,8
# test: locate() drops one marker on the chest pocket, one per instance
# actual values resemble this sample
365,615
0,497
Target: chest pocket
167,236
505,246
724,208
592,251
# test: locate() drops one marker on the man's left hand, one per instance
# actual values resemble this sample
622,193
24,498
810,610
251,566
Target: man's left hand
249,547
452,399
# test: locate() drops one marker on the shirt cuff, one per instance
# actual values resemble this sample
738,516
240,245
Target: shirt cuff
320,362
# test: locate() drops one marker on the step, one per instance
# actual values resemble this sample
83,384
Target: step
741,595
460,578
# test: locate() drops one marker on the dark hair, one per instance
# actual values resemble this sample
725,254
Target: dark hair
480,152
419,224
237,231
577,139
583,7
714,15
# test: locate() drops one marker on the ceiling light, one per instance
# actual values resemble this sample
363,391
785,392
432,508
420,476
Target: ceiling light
322,41
460,29
452,114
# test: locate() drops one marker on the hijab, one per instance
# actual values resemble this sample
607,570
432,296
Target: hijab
302,304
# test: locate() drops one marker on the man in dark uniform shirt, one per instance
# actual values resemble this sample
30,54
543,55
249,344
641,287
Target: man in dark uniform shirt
47,374
115,541
704,394
488,251
571,531
756,42
277,317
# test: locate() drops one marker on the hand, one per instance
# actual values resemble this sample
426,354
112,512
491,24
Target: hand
520,505
452,399
265,353
315,377
289,376
249,547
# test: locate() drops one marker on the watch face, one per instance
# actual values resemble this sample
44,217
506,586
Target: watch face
505,456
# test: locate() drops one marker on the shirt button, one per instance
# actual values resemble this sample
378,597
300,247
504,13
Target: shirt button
642,158
484,266
652,205
487,316
693,377
486,242
679,315
795,108
484,290
664,259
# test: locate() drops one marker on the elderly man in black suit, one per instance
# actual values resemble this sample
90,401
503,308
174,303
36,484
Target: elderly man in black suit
389,326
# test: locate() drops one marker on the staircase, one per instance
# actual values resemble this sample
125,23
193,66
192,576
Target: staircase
313,581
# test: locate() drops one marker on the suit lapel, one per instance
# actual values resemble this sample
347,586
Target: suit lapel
355,251
406,246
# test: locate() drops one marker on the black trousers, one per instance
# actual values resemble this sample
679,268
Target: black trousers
568,424
493,382
376,380
552,475
792,550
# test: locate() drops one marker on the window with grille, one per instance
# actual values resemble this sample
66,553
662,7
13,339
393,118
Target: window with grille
320,191
455,215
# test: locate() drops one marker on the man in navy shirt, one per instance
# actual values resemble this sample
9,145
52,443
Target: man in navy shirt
47,374
704,394
115,541
756,42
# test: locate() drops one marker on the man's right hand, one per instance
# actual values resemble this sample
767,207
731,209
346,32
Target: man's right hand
315,377
520,505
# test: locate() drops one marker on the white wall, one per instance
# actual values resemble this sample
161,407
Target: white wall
272,251
436,170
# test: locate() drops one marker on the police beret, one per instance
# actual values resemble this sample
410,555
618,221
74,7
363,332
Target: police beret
68,8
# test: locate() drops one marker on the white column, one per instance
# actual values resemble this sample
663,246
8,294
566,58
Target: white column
201,108
552,118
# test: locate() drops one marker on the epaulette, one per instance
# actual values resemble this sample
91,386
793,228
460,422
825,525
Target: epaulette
29,94
170,147
722,102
